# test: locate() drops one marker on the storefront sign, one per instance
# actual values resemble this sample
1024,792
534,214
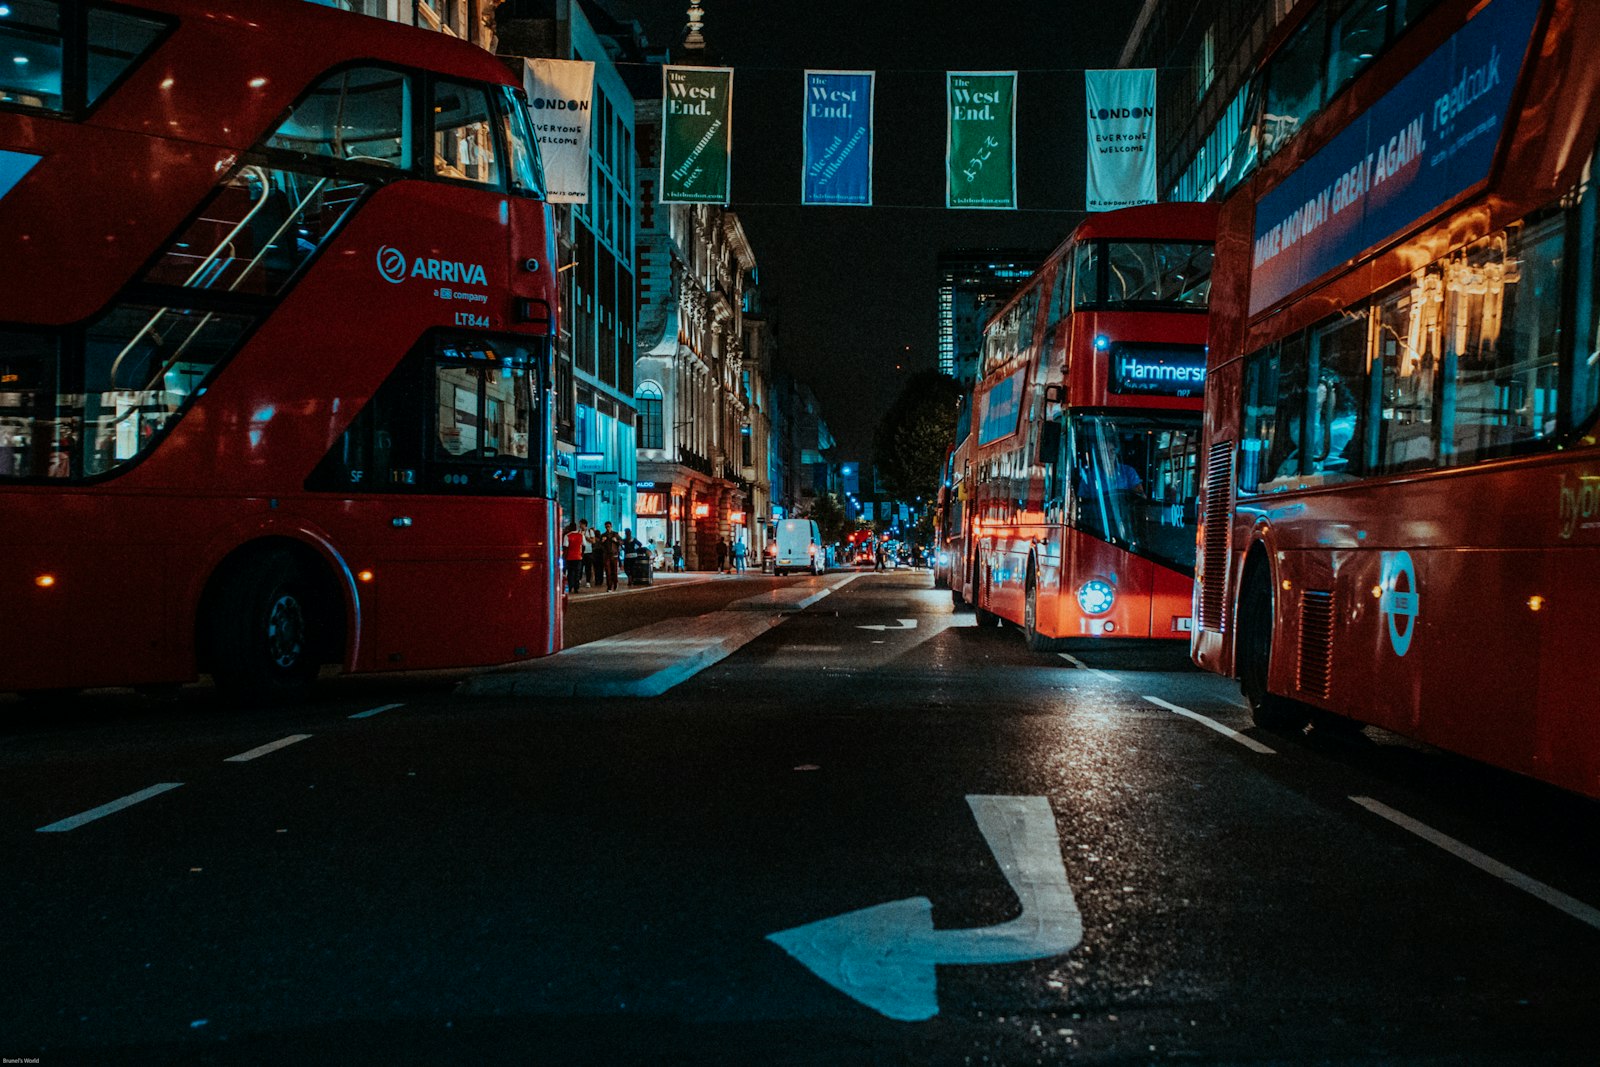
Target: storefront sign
981,133
1122,138
589,462
559,94
1425,142
838,138
696,134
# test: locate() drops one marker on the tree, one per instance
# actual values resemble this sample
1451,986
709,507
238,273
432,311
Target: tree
829,517
915,435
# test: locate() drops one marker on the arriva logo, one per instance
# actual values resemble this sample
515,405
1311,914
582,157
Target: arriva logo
392,264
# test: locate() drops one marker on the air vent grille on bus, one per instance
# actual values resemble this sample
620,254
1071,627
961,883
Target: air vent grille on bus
1219,480
1316,643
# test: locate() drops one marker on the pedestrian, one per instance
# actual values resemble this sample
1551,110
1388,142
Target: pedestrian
572,556
609,547
591,562
722,555
738,556
879,556
677,556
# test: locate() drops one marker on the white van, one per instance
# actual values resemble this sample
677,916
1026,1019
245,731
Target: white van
799,547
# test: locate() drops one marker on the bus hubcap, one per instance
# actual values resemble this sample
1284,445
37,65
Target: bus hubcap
286,631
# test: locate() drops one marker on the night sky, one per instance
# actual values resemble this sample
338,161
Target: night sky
854,287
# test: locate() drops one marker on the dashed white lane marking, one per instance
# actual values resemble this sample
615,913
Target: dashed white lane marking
1553,897
1226,731
282,742
75,821
1082,666
370,712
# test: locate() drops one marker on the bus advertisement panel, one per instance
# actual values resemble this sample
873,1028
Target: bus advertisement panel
1400,438
1079,503
294,409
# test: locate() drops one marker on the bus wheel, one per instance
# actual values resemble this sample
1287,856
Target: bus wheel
265,631
1269,710
1037,642
980,616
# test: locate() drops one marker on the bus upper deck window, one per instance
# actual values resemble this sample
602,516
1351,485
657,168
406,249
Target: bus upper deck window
359,115
463,136
527,176
30,38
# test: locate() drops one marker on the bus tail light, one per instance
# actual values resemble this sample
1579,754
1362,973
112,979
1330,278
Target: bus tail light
45,581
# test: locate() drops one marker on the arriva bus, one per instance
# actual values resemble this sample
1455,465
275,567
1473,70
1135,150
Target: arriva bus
1086,431
1402,488
276,300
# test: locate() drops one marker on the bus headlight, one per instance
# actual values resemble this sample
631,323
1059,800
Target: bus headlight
1096,596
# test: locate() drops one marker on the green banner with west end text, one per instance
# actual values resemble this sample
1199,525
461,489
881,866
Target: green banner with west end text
980,153
696,134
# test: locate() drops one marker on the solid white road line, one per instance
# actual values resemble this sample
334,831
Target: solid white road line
370,712
283,742
75,821
1082,666
1553,897
1226,731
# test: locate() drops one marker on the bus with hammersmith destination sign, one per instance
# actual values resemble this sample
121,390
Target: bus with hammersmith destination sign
1079,503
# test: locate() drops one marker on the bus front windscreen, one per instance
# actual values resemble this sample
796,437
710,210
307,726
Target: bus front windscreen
1134,479
1156,275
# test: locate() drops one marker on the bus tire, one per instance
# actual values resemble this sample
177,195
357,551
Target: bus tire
264,631
980,616
1037,642
1267,709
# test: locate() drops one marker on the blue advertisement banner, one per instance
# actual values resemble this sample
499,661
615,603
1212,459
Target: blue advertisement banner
1002,406
838,138
1429,139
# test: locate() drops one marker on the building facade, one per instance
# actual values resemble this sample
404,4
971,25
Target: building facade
697,398
1205,52
968,281
596,456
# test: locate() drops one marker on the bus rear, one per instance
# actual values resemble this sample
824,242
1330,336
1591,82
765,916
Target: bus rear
276,299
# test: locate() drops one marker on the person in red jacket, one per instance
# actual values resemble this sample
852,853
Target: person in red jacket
572,555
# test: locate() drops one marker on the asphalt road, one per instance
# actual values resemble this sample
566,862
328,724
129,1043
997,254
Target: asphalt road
598,881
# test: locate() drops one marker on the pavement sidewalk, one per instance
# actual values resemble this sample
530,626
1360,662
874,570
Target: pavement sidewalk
660,580
652,659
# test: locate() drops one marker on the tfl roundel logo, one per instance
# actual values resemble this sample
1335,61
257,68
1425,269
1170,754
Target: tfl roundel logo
392,264
1401,600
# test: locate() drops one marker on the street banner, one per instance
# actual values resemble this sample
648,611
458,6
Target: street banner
696,134
1122,138
980,139
838,138
559,94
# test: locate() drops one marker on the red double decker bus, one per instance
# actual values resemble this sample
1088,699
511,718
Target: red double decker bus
1402,500
276,300
1085,434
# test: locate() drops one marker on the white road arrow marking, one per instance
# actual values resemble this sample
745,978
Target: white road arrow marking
884,956
905,624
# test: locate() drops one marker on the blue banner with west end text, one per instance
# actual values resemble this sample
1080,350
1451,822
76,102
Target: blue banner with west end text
838,138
